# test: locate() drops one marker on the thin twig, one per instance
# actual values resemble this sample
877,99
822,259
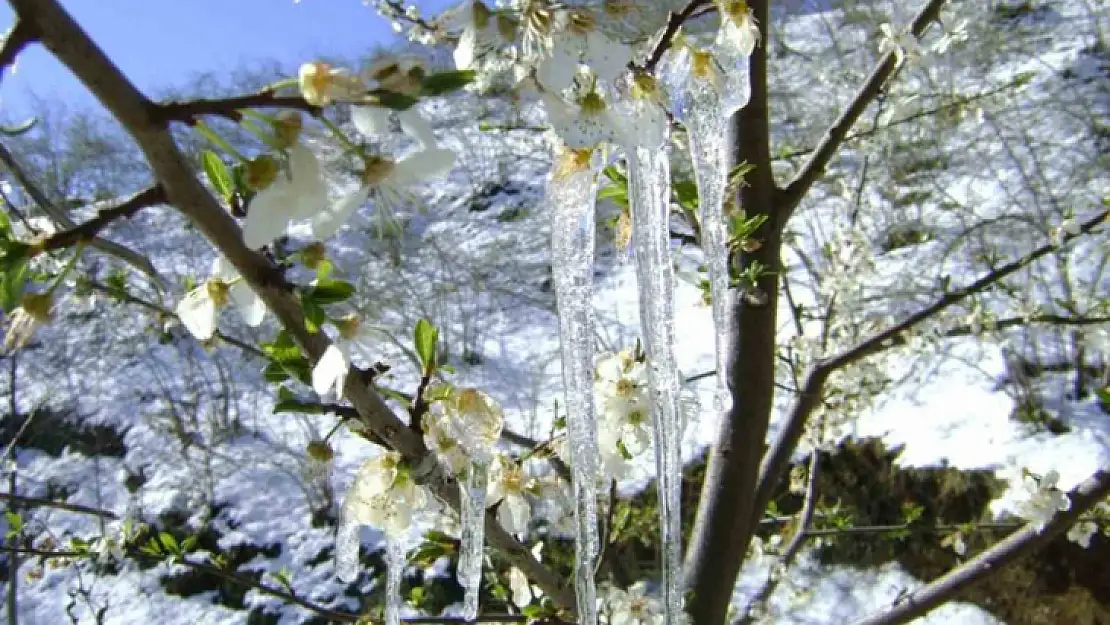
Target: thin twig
835,135
36,502
88,230
189,111
674,22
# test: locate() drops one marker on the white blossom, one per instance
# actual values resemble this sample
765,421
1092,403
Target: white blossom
622,396
330,371
634,606
523,591
199,309
321,84
35,310
402,75
383,496
1081,533
1042,499
584,123
463,427
1068,227
389,179
297,194
578,39
508,486
950,37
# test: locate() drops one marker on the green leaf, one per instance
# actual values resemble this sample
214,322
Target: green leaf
15,522
275,372
314,315
188,543
392,99
330,291
445,82
13,282
295,405
169,543
426,336
283,348
217,173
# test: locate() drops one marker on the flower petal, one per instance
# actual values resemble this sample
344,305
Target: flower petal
371,121
514,514
327,223
268,215
607,57
557,71
197,312
422,165
330,372
414,125
247,302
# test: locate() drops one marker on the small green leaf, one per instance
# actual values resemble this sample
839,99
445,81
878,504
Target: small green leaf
15,522
169,543
326,292
392,99
426,337
217,173
445,82
314,315
283,348
188,543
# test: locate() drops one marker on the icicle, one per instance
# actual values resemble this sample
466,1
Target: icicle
649,194
571,196
705,91
395,568
472,513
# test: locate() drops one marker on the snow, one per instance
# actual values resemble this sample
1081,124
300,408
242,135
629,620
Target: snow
216,453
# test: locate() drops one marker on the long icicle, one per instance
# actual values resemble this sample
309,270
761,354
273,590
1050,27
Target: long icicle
707,131
472,516
571,197
395,568
649,195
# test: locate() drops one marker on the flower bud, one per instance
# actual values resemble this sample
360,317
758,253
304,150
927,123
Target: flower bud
313,254
218,292
319,451
287,128
260,172
38,306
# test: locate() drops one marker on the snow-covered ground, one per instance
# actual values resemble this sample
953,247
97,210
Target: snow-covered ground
198,425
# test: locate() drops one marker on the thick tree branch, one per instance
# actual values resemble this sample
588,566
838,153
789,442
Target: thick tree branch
777,461
725,516
830,143
188,111
60,217
88,230
1021,543
73,47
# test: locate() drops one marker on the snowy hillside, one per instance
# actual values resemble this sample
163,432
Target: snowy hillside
126,413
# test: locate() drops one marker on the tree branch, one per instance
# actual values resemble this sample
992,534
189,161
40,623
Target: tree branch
18,37
60,217
1014,547
73,47
188,111
36,502
89,230
777,460
835,135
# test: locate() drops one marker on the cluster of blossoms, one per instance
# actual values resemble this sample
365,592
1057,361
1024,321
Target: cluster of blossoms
1041,499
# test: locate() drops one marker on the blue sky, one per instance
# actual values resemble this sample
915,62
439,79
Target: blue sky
160,43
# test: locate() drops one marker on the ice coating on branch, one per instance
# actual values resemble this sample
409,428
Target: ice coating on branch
649,189
706,88
472,514
571,196
395,568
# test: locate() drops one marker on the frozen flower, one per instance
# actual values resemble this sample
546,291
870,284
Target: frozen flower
1043,499
108,550
296,194
901,44
641,118
523,592
390,179
382,495
584,123
464,427
1081,533
578,39
33,312
739,30
479,35
330,371
321,84
508,485
199,309
634,606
